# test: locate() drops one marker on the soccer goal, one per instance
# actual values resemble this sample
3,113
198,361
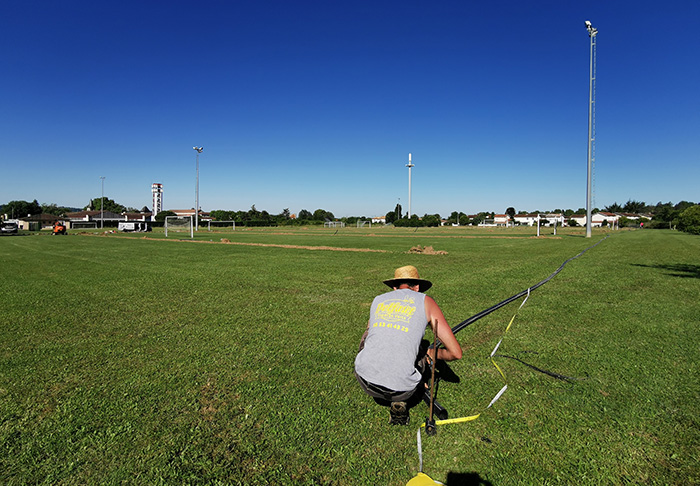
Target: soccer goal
221,224
179,224
362,224
334,224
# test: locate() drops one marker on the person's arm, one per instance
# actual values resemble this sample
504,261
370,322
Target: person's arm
452,350
364,336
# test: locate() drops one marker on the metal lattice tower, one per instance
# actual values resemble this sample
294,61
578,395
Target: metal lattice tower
157,191
593,135
592,33
410,166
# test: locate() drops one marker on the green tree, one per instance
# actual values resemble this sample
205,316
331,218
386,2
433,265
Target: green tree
390,217
161,216
613,208
414,221
683,205
634,207
305,215
21,209
510,212
54,209
253,214
689,220
323,215
431,220
109,205
458,217
222,215
480,218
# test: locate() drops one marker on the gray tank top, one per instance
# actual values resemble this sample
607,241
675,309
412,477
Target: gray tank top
397,325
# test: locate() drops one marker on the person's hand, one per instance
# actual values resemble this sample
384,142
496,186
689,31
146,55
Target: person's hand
430,354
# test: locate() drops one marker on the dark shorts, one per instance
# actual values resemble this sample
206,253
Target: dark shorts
383,393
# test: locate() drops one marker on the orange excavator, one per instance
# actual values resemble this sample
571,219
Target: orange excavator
59,228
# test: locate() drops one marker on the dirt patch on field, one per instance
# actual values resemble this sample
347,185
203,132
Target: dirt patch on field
303,247
426,250
226,241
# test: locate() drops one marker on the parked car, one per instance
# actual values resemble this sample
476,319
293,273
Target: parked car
9,228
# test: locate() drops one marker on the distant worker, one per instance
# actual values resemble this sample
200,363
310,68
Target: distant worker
390,365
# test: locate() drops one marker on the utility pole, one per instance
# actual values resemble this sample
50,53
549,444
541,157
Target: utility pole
102,204
196,191
409,165
592,32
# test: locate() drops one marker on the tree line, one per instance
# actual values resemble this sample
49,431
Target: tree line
255,217
684,215
21,209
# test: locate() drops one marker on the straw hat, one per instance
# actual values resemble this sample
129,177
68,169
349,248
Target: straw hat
408,274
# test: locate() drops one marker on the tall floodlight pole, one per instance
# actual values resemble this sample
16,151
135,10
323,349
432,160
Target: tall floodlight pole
196,192
409,165
102,204
592,32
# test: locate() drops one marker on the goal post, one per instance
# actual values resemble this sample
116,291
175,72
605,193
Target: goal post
179,224
362,223
221,224
334,224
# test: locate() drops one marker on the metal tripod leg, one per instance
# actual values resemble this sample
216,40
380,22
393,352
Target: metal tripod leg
439,411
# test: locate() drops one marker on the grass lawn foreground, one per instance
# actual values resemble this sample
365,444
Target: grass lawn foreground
228,360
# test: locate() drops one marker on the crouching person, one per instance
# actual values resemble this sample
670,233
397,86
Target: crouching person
389,366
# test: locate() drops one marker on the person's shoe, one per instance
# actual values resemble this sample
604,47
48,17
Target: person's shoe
399,414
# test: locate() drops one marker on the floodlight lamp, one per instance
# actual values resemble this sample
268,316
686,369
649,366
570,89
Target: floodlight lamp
591,30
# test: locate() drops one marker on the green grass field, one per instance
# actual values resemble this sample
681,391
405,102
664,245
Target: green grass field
135,360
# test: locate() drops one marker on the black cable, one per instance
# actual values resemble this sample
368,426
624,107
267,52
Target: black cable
507,301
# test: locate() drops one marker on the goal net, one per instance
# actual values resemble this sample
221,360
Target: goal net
362,224
179,225
214,225
334,224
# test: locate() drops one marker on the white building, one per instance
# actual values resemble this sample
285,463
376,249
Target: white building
551,219
157,190
597,219
501,219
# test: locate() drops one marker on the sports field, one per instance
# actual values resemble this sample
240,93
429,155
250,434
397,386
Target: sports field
127,359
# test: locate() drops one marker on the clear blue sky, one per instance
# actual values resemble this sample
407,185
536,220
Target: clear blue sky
316,104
